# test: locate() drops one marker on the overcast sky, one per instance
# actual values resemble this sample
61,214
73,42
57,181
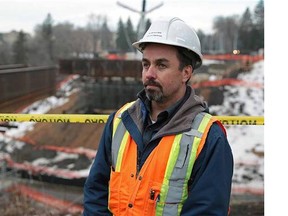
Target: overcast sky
26,14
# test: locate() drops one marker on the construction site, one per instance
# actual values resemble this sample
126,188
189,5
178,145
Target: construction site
52,117
44,163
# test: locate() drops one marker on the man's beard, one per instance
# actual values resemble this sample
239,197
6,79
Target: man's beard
153,94
157,96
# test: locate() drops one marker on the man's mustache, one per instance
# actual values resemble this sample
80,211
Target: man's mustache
152,83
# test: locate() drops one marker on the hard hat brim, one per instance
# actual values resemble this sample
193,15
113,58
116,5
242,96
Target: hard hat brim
137,45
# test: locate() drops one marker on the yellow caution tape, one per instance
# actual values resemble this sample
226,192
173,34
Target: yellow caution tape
54,118
92,118
241,120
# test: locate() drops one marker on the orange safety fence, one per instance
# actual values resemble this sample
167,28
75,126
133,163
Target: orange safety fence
228,81
47,199
244,58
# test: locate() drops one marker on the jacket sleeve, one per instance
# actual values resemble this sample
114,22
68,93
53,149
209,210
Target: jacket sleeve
96,185
210,183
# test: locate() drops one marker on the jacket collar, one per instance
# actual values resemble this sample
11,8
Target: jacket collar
181,114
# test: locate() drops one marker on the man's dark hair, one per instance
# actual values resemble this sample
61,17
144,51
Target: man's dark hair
186,57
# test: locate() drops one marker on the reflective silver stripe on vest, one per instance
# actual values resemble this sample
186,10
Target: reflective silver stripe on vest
178,179
116,142
118,136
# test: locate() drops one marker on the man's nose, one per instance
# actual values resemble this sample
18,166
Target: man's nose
151,72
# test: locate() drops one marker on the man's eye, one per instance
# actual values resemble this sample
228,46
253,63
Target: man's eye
162,66
145,65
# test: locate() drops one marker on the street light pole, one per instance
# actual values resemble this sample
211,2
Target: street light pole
142,13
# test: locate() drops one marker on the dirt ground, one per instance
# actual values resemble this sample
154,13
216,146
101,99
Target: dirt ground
247,209
12,204
66,134
247,205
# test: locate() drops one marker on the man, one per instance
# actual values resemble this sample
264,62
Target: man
162,154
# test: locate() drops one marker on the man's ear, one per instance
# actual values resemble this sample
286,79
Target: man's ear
187,73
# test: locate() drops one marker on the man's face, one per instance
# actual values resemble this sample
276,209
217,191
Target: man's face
162,79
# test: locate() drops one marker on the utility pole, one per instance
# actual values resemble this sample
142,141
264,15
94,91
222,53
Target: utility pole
142,13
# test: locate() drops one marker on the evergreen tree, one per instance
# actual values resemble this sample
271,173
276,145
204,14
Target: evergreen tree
121,40
106,36
130,34
20,49
5,51
246,32
259,15
203,40
259,25
226,32
47,34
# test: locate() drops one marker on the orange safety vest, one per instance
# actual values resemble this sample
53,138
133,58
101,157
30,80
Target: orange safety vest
161,186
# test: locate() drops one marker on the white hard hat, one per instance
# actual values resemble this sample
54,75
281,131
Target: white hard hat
175,32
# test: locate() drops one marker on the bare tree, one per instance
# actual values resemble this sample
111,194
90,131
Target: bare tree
94,25
64,40
82,43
